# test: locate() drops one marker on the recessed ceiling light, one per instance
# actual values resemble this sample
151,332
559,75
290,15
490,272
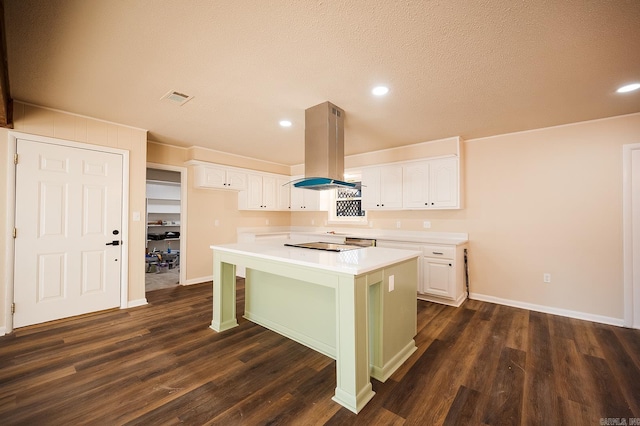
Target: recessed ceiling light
285,123
380,90
629,88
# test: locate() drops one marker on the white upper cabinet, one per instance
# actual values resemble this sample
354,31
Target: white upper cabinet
382,188
305,199
415,185
431,184
220,178
283,193
443,183
260,194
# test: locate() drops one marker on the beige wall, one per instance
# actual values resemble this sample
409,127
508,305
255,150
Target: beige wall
204,206
56,124
548,200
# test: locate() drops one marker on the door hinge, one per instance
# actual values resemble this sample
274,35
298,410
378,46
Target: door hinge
13,308
15,232
15,159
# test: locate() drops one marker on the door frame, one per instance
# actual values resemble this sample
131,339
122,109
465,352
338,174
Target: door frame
183,213
11,210
631,312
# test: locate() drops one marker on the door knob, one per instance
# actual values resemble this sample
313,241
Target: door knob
113,243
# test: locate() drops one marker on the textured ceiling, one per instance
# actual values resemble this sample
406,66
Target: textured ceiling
454,67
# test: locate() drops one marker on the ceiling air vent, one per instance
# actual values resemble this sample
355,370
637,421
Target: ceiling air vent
177,97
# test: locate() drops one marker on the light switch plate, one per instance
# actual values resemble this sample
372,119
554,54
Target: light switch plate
136,216
392,282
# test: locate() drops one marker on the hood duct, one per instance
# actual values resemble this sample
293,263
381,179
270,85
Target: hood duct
323,148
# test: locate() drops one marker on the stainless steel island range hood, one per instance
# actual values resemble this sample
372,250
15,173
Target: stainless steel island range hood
323,148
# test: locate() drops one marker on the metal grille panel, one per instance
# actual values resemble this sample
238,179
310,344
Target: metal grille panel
351,208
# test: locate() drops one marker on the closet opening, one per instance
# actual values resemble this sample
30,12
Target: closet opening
164,252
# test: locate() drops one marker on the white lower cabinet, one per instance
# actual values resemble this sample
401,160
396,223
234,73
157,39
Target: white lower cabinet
438,277
441,271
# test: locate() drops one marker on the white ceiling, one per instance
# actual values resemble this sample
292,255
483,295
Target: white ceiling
455,67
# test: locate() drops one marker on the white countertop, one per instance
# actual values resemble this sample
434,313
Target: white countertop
352,262
316,234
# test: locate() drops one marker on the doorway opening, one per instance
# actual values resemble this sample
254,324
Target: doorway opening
631,236
164,254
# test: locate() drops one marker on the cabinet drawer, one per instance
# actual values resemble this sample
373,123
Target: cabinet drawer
440,252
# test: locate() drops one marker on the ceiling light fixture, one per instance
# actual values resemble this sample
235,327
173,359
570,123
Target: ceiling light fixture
285,123
380,90
628,88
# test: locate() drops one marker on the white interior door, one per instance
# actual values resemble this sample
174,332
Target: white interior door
68,216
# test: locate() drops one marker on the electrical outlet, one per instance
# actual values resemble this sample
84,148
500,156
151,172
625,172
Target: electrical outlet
426,224
216,222
136,216
370,224
546,277
266,222
392,282
313,221
398,224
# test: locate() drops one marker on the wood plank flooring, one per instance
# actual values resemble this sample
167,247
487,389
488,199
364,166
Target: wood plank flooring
160,364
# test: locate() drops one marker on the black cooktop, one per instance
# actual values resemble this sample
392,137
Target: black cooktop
324,246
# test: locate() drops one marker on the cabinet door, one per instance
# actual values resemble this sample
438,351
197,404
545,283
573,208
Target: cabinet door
297,198
371,189
438,278
254,192
415,186
443,177
283,193
391,187
382,188
311,199
213,177
269,192
236,180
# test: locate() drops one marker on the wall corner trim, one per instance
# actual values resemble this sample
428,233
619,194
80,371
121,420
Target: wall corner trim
548,309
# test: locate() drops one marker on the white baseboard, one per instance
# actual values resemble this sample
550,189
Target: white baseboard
136,303
3,331
549,310
198,280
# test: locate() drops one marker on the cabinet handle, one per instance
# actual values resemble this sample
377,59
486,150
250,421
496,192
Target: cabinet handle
437,252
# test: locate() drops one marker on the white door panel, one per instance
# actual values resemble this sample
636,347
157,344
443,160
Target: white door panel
68,203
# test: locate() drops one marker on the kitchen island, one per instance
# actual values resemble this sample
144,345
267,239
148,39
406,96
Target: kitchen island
356,306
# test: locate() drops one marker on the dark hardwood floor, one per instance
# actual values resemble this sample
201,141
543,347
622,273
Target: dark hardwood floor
161,364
